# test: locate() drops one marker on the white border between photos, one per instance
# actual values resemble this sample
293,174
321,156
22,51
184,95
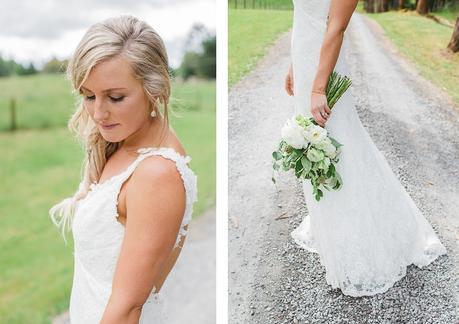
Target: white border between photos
222,163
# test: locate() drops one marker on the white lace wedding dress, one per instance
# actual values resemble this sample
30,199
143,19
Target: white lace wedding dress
370,230
97,241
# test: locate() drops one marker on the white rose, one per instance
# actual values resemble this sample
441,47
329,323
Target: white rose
293,134
315,134
323,143
329,150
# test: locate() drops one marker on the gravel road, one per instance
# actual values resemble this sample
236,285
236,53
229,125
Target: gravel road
413,123
189,290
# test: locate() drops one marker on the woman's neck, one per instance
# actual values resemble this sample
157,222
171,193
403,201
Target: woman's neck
151,134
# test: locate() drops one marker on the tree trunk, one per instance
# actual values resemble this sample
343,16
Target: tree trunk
369,6
454,43
374,6
401,4
423,7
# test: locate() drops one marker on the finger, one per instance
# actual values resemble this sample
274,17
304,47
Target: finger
327,109
322,119
291,89
287,86
318,118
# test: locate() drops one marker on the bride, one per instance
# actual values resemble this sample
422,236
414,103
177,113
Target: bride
130,214
369,231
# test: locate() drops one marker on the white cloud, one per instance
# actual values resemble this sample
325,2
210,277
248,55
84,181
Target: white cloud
37,30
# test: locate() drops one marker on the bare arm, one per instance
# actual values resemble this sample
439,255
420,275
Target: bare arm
155,202
339,16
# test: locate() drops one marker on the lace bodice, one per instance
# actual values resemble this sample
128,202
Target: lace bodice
98,236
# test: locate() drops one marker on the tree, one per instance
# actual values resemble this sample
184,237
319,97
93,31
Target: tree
423,7
4,68
200,54
55,66
374,6
30,69
189,65
401,4
207,65
454,42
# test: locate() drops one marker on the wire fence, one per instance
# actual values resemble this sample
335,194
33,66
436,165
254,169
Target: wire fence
261,4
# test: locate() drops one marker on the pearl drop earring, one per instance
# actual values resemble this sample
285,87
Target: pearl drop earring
153,113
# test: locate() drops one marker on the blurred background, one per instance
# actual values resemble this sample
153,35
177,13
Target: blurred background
40,161
425,31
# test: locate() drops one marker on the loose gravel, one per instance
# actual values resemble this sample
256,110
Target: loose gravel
273,280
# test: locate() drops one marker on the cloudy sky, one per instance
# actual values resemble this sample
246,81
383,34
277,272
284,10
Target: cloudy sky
34,31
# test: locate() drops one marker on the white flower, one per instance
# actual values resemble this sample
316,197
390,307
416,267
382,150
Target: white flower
330,150
315,134
323,143
293,134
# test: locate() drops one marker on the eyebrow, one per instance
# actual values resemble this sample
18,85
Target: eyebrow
106,90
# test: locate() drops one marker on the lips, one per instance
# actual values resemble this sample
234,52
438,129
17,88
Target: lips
108,126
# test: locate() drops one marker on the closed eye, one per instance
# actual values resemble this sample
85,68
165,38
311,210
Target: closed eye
116,99
90,97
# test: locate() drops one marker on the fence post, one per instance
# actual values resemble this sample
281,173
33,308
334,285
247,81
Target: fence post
13,114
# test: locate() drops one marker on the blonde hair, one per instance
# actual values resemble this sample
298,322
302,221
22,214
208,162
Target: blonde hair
139,43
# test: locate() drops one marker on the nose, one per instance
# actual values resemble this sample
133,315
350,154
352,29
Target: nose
100,113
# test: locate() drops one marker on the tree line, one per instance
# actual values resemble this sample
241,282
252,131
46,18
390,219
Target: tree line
198,61
422,7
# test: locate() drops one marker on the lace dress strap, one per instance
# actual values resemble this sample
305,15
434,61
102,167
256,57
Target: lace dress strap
188,176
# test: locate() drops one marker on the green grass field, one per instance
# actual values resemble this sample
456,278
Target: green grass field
250,34
423,42
41,166
449,14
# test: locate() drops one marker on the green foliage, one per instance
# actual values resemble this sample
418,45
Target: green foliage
11,67
449,13
201,65
200,56
55,66
189,66
27,70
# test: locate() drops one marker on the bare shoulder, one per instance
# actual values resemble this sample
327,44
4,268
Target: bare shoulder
156,193
157,170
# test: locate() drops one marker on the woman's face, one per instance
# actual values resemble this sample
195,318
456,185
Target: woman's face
115,99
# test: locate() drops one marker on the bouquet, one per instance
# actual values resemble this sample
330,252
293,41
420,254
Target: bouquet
307,148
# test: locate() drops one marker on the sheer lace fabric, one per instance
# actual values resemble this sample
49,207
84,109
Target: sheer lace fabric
370,230
97,241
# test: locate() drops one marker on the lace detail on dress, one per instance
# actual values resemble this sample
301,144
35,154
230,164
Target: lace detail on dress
98,236
370,230
188,177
